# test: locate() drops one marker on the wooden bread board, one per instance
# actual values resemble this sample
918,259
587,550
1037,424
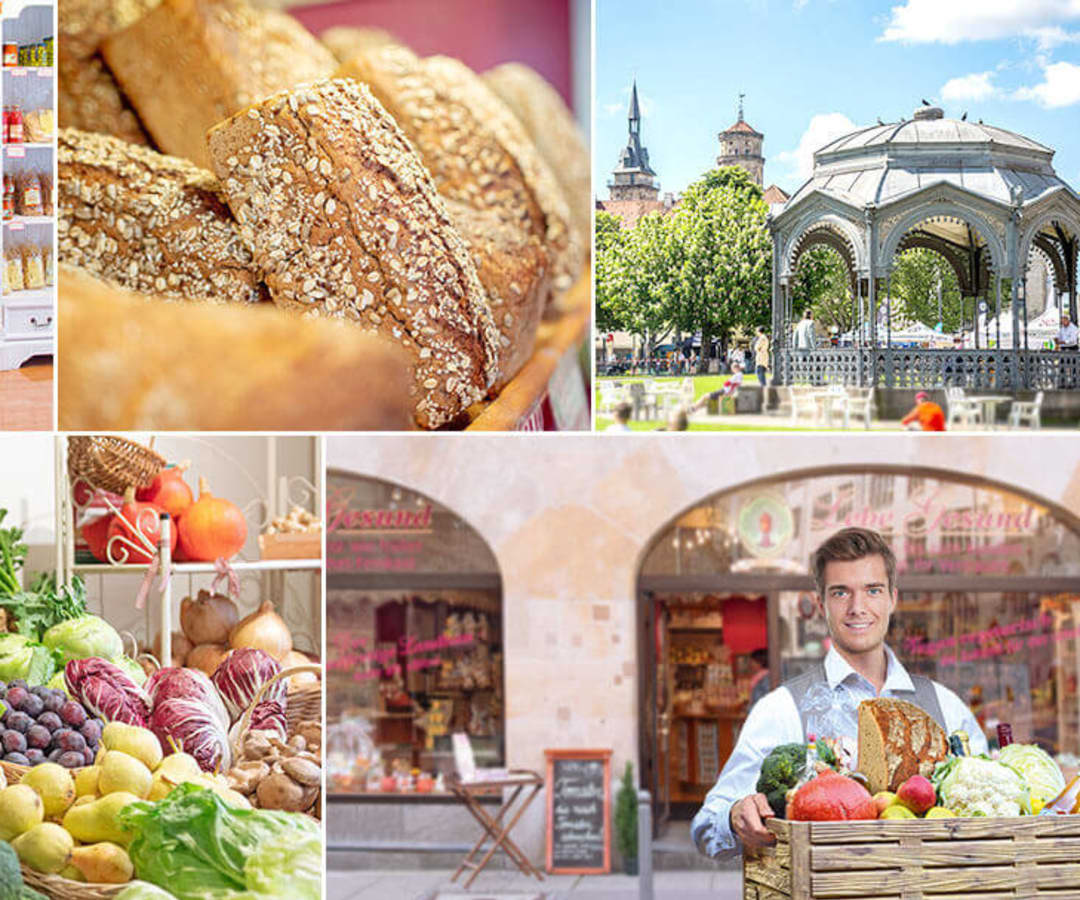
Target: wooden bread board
938,859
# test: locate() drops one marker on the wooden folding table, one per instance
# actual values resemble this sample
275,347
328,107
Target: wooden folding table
519,780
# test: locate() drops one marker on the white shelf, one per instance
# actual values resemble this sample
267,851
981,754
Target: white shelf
188,568
42,71
35,297
30,220
48,145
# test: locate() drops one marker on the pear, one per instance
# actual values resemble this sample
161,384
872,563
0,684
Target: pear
90,823
86,781
103,863
121,772
54,785
174,768
134,741
71,873
21,809
44,848
84,799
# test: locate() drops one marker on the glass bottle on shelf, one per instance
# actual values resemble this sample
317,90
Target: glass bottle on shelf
15,124
1004,734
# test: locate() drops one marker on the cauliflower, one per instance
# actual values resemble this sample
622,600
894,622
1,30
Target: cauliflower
980,786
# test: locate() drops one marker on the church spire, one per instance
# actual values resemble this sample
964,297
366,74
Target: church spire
741,96
635,112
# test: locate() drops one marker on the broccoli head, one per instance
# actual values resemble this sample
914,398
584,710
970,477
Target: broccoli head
782,768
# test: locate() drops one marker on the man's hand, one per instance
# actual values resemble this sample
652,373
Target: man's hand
747,821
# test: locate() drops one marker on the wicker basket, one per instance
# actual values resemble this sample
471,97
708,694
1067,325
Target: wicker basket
303,704
112,463
65,889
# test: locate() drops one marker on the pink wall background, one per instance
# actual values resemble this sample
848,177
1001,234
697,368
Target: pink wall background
481,33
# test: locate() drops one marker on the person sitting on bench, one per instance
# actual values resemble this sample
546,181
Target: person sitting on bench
730,388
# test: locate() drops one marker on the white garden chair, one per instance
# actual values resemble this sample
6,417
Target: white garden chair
961,409
861,404
803,403
1024,413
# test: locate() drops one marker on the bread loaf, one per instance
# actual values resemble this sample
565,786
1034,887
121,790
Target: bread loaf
551,126
477,151
150,222
188,64
345,222
87,95
897,739
139,363
513,269
345,42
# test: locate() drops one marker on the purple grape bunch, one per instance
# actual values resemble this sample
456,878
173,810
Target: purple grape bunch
41,724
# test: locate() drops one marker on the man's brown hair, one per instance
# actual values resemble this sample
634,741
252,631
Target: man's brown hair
848,545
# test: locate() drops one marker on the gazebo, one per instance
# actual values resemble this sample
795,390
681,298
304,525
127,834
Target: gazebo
983,198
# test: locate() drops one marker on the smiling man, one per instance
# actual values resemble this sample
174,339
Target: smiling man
855,574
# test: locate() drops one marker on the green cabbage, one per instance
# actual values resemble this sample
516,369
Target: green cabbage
143,890
1033,763
130,668
82,638
16,655
202,849
57,683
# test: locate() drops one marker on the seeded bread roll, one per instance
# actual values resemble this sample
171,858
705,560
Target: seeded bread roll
258,369
345,42
344,220
513,270
152,223
553,130
897,739
188,64
477,151
87,94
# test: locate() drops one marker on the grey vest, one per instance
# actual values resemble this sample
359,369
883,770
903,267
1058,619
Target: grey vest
924,696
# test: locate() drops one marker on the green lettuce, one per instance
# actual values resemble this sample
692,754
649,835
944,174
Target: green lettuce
130,668
81,638
201,849
1033,763
16,655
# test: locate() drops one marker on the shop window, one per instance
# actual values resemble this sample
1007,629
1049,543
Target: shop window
414,641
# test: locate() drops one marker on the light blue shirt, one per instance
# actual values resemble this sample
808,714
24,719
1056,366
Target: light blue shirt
775,720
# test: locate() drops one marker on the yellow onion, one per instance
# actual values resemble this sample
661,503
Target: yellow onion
263,630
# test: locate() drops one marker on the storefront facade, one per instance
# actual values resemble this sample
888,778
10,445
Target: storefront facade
614,637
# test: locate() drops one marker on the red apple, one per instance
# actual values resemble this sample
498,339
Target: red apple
917,794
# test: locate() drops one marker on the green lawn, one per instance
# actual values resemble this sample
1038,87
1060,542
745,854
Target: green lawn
703,384
601,424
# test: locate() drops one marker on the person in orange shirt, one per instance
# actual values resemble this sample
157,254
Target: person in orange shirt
926,416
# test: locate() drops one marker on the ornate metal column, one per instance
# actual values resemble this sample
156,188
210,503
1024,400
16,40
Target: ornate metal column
1012,252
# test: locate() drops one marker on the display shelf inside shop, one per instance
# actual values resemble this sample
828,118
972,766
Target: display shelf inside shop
18,151
550,383
258,513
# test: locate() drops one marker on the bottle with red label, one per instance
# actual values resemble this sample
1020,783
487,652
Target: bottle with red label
15,125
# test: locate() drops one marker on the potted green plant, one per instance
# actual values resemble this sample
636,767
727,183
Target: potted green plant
626,826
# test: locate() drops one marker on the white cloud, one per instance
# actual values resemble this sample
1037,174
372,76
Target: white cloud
977,86
955,21
822,129
1060,86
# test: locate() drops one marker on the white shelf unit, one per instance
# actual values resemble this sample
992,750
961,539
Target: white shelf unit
274,498
27,318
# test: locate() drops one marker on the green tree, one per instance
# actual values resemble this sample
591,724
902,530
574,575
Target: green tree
720,255
633,286
822,284
915,279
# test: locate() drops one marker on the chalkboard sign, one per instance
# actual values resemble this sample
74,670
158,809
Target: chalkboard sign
578,811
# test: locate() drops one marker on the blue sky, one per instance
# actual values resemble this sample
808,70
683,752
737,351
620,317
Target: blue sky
814,69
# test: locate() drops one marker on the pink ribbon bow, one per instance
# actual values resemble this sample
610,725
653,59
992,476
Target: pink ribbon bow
227,573
148,580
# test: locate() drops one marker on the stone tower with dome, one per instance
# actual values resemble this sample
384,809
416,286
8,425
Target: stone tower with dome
741,146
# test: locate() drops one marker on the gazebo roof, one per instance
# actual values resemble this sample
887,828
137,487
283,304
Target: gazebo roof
884,163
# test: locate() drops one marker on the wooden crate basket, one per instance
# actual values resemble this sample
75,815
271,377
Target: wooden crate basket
938,859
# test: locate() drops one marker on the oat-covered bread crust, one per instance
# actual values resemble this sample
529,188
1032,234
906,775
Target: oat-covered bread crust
344,220
150,222
89,98
552,128
513,269
897,739
477,151
344,41
188,64
259,368
84,24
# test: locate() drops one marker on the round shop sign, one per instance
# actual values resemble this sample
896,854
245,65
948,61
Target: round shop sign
765,525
